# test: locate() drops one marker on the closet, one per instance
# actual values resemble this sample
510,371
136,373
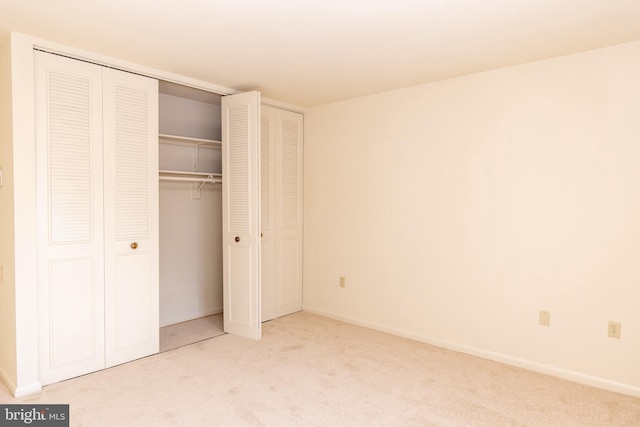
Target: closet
156,204
97,216
263,230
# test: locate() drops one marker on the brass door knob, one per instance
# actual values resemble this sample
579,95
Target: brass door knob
134,245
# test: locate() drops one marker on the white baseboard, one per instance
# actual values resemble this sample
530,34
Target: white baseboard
19,391
167,322
27,390
554,371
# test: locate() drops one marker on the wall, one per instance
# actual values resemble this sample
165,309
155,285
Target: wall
457,210
8,371
20,275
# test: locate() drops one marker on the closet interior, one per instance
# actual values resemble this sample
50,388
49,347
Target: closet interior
190,215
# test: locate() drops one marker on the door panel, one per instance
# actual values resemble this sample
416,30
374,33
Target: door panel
72,312
289,293
69,217
289,133
133,308
267,212
241,214
131,216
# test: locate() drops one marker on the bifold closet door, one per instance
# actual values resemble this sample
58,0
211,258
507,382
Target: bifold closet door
288,164
241,214
281,211
70,223
130,128
96,148
268,212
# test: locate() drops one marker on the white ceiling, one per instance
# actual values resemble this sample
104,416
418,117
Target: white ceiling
310,52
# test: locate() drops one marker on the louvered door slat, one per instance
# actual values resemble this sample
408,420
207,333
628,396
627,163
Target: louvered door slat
265,170
131,163
289,193
238,173
70,158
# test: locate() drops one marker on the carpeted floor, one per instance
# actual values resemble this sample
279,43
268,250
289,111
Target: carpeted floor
312,371
191,331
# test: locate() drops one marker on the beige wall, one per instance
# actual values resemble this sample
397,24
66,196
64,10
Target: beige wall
18,321
8,372
24,208
458,210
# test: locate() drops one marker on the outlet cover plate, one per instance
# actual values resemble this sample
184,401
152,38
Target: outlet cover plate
614,329
545,318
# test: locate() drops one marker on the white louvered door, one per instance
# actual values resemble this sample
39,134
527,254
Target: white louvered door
131,216
288,154
70,226
96,134
268,212
241,214
281,208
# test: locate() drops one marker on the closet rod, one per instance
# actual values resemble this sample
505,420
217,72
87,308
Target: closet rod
190,179
203,174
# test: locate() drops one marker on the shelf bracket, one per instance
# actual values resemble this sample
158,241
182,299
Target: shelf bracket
204,182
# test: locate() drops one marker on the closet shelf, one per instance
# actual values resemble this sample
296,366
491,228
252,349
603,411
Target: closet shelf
185,140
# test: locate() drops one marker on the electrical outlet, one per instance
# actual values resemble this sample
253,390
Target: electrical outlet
614,329
545,318
342,281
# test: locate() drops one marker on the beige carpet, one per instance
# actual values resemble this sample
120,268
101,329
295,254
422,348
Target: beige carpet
312,371
189,332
